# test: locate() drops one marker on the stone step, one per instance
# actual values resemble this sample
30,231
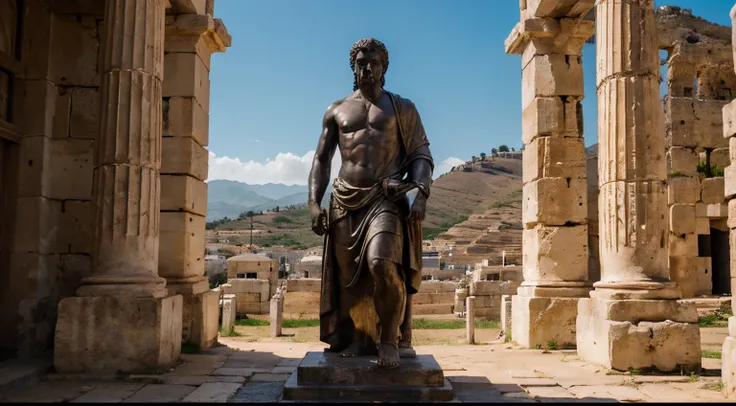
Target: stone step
17,373
327,368
374,393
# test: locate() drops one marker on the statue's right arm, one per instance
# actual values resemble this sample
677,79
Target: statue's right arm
319,176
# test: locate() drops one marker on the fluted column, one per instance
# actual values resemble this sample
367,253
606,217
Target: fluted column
631,165
630,320
128,153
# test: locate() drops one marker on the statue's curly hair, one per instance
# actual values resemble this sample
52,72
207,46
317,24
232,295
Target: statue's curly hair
364,45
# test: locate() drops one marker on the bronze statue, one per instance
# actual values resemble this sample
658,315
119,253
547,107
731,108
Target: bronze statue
373,238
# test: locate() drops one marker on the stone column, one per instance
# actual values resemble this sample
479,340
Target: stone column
632,319
192,35
554,212
120,319
728,368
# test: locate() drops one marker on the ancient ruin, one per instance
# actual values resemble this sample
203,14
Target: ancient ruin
103,162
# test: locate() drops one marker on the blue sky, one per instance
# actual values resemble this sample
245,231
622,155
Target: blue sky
289,60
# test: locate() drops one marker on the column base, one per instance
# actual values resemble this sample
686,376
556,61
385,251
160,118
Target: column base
117,334
645,290
115,286
554,291
200,316
639,334
537,321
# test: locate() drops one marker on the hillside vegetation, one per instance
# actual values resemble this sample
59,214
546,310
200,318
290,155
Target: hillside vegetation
455,198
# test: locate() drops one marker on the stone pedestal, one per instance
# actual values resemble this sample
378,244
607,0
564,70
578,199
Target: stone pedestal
103,334
326,376
639,334
538,320
200,319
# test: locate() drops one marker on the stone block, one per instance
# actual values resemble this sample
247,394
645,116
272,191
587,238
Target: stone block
695,123
302,302
485,288
189,6
306,285
554,157
551,75
728,365
493,313
666,345
184,117
716,210
683,245
75,227
703,276
34,102
555,253
183,156
537,320
117,334
555,202
729,185
181,246
73,53
433,309
84,113
683,189
33,274
546,116
183,193
229,310
200,316
682,160
720,157
276,316
506,309
712,190
731,215
682,218
729,120
72,161
732,149
39,229
186,76
702,225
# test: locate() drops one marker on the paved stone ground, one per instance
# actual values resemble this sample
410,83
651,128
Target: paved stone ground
255,372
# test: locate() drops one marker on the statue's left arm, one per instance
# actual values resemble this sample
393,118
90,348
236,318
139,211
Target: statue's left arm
421,164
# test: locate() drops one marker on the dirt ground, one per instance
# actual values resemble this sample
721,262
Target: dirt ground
711,338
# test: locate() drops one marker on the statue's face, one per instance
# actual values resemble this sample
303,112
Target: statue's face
368,68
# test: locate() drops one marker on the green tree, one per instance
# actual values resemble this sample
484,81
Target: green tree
503,148
494,152
482,156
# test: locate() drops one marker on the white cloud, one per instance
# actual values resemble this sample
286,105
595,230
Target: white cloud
447,165
286,168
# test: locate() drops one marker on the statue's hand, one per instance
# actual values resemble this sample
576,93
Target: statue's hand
319,219
418,208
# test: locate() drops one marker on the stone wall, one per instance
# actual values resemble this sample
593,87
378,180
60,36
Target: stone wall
302,298
488,297
48,220
700,83
252,295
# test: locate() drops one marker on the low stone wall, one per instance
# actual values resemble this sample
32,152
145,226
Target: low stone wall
434,297
488,297
252,295
301,300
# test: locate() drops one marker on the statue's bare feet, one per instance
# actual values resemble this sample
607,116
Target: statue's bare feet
388,356
354,350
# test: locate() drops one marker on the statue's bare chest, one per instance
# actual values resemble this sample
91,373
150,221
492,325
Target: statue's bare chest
362,122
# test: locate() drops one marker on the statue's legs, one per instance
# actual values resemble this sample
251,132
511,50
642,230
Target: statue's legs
390,301
405,329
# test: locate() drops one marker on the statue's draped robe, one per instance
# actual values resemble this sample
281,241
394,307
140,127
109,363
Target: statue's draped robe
369,213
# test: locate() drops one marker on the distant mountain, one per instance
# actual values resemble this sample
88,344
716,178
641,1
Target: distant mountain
591,151
226,198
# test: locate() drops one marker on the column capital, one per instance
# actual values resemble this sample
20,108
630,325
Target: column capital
193,27
550,35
